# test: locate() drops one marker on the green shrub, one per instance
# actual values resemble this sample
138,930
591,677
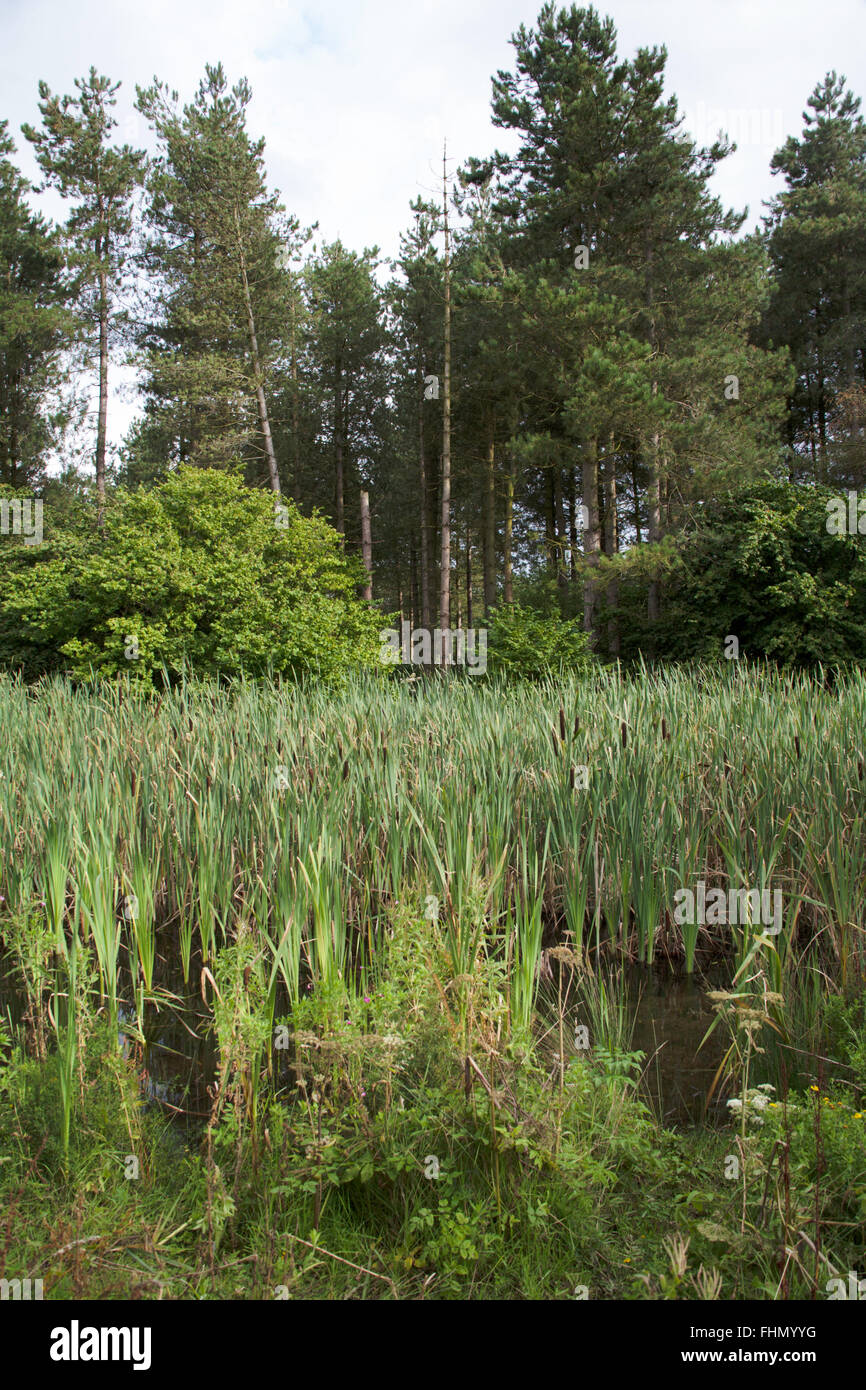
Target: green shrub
524,642
198,572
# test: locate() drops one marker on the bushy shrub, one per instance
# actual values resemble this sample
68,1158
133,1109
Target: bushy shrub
758,564
198,572
524,642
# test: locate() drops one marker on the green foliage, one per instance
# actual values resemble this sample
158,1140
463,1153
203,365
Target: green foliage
202,572
35,325
816,237
219,297
758,564
523,642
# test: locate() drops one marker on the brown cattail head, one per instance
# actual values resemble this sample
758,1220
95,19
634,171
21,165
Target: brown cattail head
860,771
553,739
345,770
571,777
576,726
623,734
562,723
664,730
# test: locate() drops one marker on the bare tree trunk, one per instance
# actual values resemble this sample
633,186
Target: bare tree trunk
445,576
508,582
102,421
611,546
468,576
561,532
592,534
456,595
273,471
413,586
338,451
14,412
550,523
636,499
654,521
295,440
425,503
490,521
822,420
366,545
572,523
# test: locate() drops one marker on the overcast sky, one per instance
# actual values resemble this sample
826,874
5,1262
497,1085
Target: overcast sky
355,97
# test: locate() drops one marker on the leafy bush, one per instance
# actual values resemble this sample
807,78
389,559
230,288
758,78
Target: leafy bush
758,564
524,642
199,572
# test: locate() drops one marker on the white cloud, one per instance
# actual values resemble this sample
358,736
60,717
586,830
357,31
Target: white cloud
354,99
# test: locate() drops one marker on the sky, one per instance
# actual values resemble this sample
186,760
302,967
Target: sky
355,97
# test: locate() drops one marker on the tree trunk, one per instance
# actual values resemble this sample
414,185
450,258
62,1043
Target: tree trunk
654,489
550,523
102,421
508,584
273,471
489,522
561,532
611,547
445,576
425,504
295,441
635,492
468,576
592,534
822,420
413,586
572,523
366,545
654,524
338,449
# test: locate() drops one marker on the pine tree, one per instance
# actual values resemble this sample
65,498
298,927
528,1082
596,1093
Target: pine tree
816,231
345,343
75,153
219,288
35,327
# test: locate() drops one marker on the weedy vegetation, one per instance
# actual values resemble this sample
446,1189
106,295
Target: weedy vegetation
319,993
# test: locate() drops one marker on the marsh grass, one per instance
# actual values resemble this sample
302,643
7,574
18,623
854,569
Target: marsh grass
299,820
